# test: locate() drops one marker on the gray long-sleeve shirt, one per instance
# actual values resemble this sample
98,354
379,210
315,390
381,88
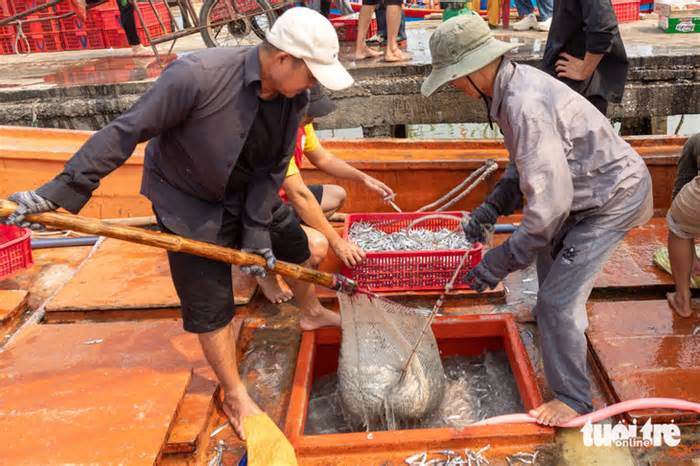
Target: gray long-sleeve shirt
198,116
567,156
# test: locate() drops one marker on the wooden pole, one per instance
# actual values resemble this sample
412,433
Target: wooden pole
176,243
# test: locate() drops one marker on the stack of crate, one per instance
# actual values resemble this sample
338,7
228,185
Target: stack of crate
100,29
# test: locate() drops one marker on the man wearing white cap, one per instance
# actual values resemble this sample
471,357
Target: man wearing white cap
221,126
583,188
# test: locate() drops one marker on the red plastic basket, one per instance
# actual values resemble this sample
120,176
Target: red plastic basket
346,28
15,249
409,270
626,11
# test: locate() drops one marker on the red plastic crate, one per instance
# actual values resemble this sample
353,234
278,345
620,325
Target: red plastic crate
85,39
115,38
410,270
15,250
7,44
41,43
346,27
626,11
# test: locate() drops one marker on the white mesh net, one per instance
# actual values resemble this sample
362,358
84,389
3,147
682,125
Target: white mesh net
378,337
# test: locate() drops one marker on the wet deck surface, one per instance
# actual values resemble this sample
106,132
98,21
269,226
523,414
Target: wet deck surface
635,341
133,279
112,66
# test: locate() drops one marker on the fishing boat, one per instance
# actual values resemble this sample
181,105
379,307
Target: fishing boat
95,367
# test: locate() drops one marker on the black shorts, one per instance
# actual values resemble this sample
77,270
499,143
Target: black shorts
385,2
204,286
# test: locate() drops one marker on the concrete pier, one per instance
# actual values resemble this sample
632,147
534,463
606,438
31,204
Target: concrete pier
87,89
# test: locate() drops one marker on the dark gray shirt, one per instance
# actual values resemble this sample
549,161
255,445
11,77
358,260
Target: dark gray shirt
198,117
688,164
580,26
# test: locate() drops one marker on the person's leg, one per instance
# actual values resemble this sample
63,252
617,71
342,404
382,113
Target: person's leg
207,310
128,22
318,245
526,12
290,244
361,49
326,8
545,8
380,13
681,254
329,196
393,20
562,320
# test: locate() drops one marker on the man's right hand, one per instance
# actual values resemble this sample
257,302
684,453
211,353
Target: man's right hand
28,202
351,254
480,222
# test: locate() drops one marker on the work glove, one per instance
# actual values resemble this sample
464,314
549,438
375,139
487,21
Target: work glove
493,268
28,202
258,270
480,223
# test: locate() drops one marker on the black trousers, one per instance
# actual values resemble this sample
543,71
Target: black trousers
205,286
600,103
128,22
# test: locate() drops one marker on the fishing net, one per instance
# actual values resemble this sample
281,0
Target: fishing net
378,338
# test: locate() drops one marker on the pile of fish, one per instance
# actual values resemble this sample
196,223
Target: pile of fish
372,239
470,458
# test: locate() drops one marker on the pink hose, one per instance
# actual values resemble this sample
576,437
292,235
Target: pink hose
597,416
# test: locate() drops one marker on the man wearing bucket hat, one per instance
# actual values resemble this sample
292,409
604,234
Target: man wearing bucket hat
584,188
221,124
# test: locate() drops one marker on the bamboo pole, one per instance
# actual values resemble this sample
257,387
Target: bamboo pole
176,243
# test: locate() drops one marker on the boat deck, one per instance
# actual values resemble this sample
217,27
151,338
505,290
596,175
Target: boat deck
137,390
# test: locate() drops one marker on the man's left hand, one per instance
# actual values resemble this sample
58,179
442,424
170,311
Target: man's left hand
492,269
568,66
259,270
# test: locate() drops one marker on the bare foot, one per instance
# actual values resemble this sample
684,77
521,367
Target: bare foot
523,315
366,52
553,413
274,291
395,55
238,406
322,317
680,308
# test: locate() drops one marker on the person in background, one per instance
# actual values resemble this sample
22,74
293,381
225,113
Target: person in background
128,22
315,203
380,38
683,220
392,52
526,11
584,49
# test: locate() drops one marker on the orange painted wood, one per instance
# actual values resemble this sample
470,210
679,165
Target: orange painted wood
194,414
93,393
643,349
318,355
127,276
12,303
32,156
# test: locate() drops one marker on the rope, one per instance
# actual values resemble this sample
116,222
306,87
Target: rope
20,36
433,313
489,166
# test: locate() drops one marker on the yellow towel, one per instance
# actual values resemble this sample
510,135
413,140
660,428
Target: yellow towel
662,261
266,444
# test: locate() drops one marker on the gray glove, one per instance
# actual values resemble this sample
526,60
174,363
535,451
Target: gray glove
480,223
496,264
258,270
28,202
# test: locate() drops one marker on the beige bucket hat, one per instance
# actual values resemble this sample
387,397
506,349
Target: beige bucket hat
460,46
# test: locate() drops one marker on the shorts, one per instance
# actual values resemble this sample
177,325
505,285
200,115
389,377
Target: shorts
684,215
317,191
386,2
205,287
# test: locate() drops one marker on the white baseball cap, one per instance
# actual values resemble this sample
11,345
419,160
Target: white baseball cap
306,34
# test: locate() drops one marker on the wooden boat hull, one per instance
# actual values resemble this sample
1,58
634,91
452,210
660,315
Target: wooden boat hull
420,171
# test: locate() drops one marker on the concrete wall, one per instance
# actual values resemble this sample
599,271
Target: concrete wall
388,95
